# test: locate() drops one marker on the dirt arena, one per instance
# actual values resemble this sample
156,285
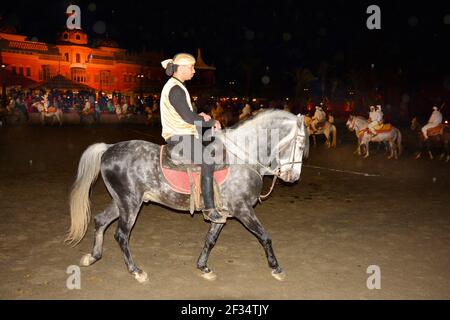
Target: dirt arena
326,230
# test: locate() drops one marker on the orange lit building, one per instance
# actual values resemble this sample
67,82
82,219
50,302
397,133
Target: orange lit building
101,65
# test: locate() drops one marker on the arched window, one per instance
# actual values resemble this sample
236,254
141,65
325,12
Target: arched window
66,56
77,37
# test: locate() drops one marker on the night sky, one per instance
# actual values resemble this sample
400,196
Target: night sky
270,38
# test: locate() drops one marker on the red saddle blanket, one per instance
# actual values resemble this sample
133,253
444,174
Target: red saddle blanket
178,180
438,130
379,129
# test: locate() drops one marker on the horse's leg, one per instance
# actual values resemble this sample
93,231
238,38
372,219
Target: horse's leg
358,146
129,210
210,241
327,135
60,118
102,221
334,132
393,153
248,218
314,140
366,147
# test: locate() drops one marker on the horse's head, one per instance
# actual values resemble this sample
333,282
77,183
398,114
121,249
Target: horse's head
349,123
292,149
274,140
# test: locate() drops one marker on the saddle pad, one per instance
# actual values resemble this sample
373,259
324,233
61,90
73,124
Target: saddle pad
179,180
435,131
379,129
383,128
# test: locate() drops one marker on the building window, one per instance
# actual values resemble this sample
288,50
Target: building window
105,78
77,37
46,75
78,74
28,70
14,70
66,56
65,36
78,58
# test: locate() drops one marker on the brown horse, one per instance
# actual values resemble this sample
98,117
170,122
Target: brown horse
437,137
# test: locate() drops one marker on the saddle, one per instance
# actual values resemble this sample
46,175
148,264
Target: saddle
436,131
185,178
383,127
51,109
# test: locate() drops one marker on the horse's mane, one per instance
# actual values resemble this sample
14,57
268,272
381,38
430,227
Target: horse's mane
265,119
267,115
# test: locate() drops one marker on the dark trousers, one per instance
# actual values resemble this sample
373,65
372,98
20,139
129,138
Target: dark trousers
192,146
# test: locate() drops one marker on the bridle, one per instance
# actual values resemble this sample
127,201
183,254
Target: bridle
299,134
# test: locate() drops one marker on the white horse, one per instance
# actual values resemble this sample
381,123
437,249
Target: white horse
55,115
327,129
393,136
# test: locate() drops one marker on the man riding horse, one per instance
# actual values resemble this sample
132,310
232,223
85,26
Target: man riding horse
375,119
434,121
318,119
181,124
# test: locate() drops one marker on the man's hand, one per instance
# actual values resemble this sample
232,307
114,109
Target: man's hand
204,116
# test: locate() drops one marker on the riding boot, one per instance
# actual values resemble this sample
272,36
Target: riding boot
207,184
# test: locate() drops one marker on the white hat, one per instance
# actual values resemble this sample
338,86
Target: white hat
372,107
435,108
378,106
181,59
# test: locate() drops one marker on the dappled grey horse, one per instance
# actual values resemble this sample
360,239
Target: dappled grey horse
132,173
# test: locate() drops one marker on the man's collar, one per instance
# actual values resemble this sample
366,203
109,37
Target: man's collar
178,80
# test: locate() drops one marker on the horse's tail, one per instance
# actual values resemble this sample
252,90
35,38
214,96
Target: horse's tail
399,142
80,212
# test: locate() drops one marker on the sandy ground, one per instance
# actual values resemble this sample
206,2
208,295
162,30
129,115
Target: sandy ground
326,230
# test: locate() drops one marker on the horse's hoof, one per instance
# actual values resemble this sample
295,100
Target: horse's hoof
141,276
210,276
87,260
280,276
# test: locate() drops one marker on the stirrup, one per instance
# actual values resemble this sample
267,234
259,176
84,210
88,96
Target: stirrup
214,216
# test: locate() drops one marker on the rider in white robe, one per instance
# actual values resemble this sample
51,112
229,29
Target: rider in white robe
434,121
376,118
319,116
